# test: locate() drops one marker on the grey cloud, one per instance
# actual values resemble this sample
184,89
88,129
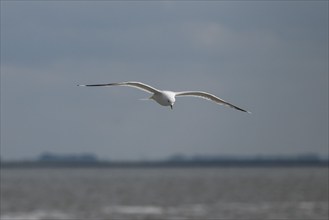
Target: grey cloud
269,57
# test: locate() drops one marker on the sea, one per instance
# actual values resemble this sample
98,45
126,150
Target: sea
164,193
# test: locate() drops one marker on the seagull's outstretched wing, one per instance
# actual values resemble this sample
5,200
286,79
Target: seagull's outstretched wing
209,96
137,85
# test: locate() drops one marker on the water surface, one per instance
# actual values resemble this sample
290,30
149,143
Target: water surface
164,193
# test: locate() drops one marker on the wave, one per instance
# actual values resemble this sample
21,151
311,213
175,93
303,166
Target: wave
141,210
36,215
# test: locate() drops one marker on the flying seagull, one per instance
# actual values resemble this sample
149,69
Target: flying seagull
168,98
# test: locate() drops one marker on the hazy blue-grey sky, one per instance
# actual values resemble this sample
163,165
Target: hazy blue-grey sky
270,57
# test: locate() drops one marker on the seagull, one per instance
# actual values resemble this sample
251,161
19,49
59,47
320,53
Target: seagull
168,98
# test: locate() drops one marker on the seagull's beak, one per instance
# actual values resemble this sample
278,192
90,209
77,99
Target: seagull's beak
171,106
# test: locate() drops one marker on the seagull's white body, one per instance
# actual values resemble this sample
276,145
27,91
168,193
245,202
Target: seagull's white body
164,98
168,98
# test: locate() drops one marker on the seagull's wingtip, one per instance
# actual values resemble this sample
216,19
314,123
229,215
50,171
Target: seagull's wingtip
240,109
247,111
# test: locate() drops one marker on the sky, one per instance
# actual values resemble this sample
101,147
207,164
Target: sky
269,57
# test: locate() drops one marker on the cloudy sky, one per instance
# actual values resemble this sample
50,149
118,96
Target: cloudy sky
270,57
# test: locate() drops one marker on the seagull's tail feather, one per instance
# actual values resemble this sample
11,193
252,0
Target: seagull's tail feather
146,99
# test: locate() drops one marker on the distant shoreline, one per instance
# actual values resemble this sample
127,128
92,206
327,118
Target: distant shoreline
167,164
51,160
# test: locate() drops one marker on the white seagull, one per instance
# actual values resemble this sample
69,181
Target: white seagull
168,98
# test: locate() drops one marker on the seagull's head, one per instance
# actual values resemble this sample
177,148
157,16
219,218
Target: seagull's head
171,101
164,98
